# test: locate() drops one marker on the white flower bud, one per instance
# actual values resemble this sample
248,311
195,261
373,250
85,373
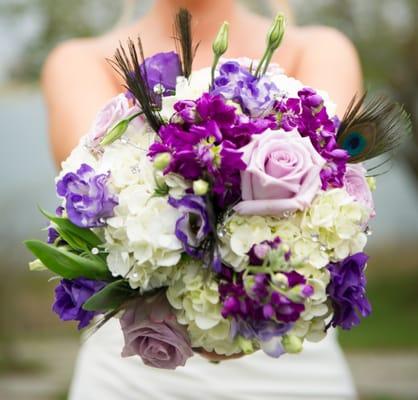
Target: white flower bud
200,187
292,344
162,161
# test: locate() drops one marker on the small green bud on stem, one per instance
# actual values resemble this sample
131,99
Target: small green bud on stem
220,46
274,39
118,130
162,161
200,187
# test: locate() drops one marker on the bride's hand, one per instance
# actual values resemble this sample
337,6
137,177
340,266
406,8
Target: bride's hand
214,357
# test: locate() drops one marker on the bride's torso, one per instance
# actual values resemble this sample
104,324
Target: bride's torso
246,39
319,373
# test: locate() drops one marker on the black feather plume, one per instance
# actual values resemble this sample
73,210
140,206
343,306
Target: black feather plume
184,40
128,65
372,127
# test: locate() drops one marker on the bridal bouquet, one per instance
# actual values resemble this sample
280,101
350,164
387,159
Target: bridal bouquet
224,209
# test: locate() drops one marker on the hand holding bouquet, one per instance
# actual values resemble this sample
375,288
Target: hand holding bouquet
222,210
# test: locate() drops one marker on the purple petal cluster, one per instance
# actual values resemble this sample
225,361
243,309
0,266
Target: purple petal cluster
161,72
347,291
255,95
193,227
87,199
308,115
203,139
70,296
257,305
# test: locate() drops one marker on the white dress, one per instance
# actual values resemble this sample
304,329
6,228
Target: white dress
319,373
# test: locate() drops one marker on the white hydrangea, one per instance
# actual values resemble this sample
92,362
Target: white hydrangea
193,293
187,89
330,230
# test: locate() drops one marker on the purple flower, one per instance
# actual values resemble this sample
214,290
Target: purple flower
347,291
87,198
53,234
70,296
310,118
161,72
258,252
205,144
151,331
255,95
193,227
268,333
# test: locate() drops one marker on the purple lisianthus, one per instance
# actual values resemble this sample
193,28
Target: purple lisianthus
347,291
87,199
151,331
255,95
161,72
193,226
70,296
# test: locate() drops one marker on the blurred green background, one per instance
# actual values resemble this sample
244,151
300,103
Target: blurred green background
37,351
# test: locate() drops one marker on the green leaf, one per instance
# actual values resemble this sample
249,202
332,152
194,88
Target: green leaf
66,264
110,297
74,232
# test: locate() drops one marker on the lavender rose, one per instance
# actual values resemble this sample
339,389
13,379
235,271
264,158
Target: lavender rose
70,296
117,109
87,199
282,174
356,185
151,331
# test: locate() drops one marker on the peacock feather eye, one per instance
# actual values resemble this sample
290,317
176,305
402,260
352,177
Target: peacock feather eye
355,143
372,127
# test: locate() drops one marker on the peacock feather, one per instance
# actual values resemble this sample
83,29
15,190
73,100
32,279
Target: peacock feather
372,127
127,64
184,40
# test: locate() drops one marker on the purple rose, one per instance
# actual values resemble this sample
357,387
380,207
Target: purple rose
282,174
87,198
151,331
70,296
117,109
347,291
356,185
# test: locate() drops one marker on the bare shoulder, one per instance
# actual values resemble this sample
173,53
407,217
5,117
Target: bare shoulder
325,41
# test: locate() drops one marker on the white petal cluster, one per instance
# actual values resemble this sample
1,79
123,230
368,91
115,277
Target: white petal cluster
193,292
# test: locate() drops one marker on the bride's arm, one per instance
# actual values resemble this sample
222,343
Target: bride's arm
329,62
76,84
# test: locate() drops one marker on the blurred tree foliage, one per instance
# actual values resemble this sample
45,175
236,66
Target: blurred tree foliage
56,20
384,31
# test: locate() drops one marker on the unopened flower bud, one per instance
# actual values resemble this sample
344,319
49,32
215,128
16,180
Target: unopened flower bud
37,266
162,161
200,187
281,280
276,33
300,293
116,132
245,345
220,45
292,344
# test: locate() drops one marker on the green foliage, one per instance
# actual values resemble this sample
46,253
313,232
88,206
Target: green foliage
60,20
78,238
110,297
67,264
